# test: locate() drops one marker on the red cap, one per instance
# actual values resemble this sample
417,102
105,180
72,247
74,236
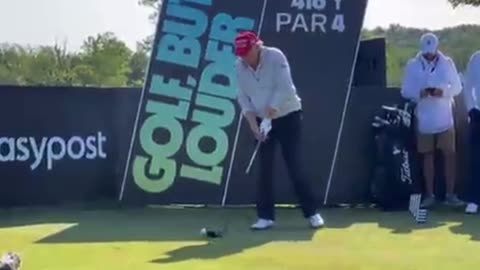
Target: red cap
244,43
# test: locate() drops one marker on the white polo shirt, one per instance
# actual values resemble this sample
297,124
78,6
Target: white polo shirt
472,83
270,85
434,114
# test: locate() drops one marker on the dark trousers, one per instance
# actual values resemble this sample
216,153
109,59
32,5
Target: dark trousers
286,131
474,141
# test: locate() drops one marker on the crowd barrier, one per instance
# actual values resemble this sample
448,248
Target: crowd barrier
66,144
60,145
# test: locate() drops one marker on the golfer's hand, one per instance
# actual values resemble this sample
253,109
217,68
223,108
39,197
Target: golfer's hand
437,92
271,112
257,133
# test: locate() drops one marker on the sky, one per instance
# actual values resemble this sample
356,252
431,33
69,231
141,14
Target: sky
44,22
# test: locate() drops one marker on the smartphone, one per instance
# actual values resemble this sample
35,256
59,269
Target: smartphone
430,90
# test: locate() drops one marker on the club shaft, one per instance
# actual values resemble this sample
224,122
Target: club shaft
253,157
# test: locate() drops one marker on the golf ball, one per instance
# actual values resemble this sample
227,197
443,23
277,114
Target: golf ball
203,231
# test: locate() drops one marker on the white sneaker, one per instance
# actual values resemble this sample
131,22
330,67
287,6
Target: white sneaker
262,224
316,221
472,208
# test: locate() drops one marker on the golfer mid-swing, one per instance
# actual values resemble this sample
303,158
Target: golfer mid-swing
266,91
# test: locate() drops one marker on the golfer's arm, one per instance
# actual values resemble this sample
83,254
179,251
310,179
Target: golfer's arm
284,87
247,108
251,119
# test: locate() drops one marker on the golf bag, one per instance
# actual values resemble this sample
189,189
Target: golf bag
395,171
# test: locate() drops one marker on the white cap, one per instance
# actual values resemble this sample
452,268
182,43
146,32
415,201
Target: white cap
429,43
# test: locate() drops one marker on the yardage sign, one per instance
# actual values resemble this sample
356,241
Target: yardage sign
183,146
308,16
320,40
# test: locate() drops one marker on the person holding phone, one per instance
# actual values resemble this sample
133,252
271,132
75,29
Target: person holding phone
431,81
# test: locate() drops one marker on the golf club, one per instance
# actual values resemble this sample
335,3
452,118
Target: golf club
253,157
265,127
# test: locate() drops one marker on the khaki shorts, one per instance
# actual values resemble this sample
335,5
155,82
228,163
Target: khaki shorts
445,141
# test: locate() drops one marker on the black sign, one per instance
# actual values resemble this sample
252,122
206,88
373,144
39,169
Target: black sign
184,135
320,39
188,138
60,144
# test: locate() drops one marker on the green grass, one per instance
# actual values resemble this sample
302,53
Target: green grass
354,239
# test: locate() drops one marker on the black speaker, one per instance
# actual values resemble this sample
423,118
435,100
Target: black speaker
371,66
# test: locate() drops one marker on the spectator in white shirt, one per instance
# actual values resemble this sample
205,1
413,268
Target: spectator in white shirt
471,92
266,91
432,81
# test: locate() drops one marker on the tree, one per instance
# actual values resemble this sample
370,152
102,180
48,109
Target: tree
52,65
155,6
457,3
13,59
403,43
105,61
138,65
46,65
